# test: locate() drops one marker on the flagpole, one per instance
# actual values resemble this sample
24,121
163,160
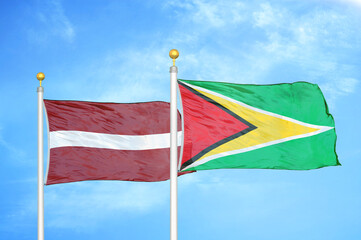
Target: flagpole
173,148
40,76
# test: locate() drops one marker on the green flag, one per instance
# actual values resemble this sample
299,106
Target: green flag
281,126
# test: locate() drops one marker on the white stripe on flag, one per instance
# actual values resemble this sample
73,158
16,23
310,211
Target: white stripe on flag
110,141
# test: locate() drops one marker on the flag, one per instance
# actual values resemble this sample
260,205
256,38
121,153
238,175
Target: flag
108,141
281,126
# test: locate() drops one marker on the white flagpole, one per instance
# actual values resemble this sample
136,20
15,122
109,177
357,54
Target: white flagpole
173,148
40,76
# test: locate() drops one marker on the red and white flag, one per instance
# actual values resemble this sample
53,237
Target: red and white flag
108,141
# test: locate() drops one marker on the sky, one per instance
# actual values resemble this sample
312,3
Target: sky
117,51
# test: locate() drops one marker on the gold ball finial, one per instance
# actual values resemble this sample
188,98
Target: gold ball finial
40,76
173,54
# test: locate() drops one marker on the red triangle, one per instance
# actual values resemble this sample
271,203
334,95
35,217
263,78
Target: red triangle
205,123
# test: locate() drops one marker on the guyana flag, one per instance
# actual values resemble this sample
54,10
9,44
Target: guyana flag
281,126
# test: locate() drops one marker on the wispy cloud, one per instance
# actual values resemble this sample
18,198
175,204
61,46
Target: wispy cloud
267,16
356,3
136,75
132,75
311,42
13,151
85,204
209,14
52,21
339,87
264,37
314,43
221,192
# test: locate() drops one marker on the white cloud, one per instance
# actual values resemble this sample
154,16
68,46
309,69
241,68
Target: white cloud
211,66
52,22
135,75
14,152
312,42
266,16
356,3
123,75
83,205
210,13
302,40
220,191
339,87
348,85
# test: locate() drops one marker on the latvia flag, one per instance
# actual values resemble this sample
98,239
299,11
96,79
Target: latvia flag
108,141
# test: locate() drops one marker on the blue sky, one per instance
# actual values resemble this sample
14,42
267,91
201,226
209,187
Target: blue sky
118,51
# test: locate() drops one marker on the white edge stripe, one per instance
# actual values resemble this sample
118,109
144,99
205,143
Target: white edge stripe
254,108
204,160
110,141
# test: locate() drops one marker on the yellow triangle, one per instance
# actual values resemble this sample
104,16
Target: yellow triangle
270,127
